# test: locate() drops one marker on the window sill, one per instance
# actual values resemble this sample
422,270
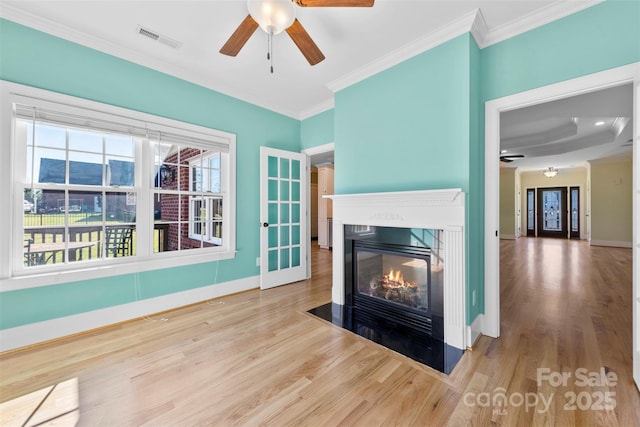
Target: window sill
103,269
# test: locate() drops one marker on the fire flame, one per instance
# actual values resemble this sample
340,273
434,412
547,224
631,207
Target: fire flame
395,280
395,277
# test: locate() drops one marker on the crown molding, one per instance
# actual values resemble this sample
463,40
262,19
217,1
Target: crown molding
545,15
479,28
445,33
472,22
56,29
317,109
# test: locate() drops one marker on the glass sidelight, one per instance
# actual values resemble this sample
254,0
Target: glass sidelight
531,212
574,208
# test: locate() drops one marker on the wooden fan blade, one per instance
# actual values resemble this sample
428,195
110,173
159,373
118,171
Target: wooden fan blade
304,42
334,3
239,36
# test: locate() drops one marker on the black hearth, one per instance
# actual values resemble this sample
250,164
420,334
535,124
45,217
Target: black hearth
393,291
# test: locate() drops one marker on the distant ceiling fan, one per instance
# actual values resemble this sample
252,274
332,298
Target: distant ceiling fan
275,16
508,158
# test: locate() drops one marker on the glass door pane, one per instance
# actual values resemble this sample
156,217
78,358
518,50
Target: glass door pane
552,204
552,212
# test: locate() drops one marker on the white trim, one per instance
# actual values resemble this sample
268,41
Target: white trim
111,268
282,275
472,22
57,29
635,256
493,108
439,36
317,109
428,209
538,18
33,333
508,237
479,28
611,243
42,276
474,330
320,149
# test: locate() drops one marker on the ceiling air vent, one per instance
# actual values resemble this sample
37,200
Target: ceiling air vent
158,37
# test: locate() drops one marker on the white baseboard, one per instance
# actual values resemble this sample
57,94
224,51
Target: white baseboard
612,243
34,333
474,331
507,237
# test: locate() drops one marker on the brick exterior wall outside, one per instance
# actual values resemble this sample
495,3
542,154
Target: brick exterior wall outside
171,205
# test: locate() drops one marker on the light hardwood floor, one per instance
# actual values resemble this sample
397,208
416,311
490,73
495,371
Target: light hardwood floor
257,358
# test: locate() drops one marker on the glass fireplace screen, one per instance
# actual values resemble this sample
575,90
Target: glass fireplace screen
395,278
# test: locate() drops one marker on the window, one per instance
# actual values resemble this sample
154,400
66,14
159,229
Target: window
190,196
205,207
104,185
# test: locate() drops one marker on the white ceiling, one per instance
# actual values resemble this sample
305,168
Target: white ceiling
569,132
357,42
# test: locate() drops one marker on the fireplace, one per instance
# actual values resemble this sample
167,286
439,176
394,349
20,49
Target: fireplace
421,234
388,274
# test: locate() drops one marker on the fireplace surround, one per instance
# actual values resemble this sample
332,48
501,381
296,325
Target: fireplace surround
435,211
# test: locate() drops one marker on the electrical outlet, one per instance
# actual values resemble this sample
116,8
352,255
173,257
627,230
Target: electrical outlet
473,298
257,261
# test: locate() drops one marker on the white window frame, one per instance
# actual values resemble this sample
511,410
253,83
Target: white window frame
206,196
13,274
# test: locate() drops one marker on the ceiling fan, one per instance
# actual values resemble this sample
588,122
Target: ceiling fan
275,16
508,158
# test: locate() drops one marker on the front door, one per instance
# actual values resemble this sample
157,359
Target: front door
552,212
283,217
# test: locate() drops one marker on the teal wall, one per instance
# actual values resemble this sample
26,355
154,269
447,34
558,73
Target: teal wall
317,130
36,59
414,127
412,106
431,106
598,38
406,127
475,195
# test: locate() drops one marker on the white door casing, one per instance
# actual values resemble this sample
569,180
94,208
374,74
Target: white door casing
598,81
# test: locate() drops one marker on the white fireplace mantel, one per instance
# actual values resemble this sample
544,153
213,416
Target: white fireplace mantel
428,209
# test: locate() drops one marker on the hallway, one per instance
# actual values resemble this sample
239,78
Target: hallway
565,309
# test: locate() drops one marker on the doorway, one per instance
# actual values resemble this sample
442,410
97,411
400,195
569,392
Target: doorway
318,155
629,74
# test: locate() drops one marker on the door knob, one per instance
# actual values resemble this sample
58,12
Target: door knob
265,224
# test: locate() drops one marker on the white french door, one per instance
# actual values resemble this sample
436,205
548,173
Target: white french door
283,217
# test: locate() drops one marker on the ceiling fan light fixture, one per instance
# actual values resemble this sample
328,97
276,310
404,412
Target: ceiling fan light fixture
273,16
550,172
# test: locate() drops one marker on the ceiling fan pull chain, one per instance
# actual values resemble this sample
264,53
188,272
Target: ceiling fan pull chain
270,53
268,46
